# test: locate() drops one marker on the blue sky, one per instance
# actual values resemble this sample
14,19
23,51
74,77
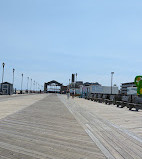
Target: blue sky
51,39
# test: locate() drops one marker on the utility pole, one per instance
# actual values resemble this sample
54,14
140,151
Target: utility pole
112,73
3,64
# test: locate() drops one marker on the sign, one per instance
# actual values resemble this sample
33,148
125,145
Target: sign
138,83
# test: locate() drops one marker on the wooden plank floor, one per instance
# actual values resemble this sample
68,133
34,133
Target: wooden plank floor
45,129
107,128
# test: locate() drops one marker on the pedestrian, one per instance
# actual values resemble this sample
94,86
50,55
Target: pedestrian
68,94
73,93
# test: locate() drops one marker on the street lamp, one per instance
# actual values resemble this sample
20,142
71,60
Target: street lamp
13,76
38,87
27,83
21,83
76,77
31,85
34,85
42,88
3,64
69,83
13,79
112,73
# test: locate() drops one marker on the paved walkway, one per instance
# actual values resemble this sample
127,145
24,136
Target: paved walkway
45,129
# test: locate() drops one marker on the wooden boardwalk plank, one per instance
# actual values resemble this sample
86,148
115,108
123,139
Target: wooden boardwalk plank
45,129
95,119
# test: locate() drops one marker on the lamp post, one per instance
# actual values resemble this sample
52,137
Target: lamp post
27,83
69,83
13,76
13,79
112,73
21,83
42,88
34,86
38,87
3,64
76,77
31,85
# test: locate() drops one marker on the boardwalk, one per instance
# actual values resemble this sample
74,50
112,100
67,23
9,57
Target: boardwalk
117,132
46,129
51,126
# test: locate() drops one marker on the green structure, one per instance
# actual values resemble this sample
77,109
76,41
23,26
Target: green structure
138,83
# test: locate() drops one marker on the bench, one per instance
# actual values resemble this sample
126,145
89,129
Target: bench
95,97
124,101
99,98
85,96
111,100
90,97
136,103
104,97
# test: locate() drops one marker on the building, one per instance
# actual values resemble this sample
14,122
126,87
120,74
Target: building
91,83
6,88
79,83
124,87
54,87
64,89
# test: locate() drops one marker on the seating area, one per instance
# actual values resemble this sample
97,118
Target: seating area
124,101
119,100
136,103
110,100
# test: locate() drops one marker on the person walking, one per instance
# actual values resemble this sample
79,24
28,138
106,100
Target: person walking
68,94
73,93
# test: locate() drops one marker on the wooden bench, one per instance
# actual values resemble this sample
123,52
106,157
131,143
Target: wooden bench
90,97
99,98
95,97
104,97
85,97
113,98
136,103
124,101
110,100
